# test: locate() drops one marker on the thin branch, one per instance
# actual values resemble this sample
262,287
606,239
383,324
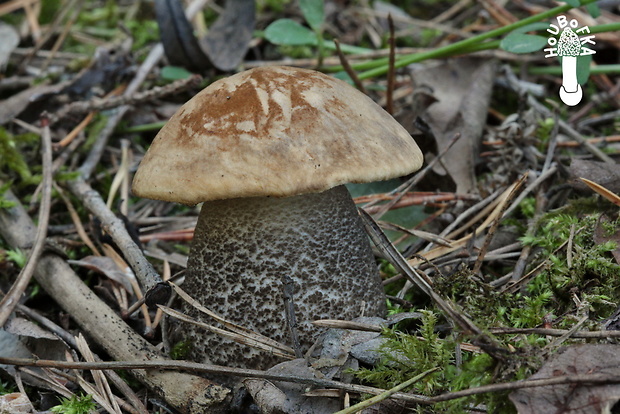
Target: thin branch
391,75
317,382
347,67
99,104
23,279
211,369
115,227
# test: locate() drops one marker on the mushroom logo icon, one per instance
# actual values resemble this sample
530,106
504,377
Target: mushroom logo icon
569,47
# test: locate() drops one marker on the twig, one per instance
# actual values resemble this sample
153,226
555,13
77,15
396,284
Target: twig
23,279
494,226
391,75
56,277
465,214
542,177
387,394
571,132
532,383
99,104
383,243
211,369
317,382
115,227
347,67
556,332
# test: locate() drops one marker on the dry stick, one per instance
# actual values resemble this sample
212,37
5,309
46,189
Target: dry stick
387,394
494,226
118,382
111,101
488,214
350,71
79,228
542,177
383,243
465,214
317,382
210,369
115,227
391,75
404,188
556,332
23,279
571,132
107,329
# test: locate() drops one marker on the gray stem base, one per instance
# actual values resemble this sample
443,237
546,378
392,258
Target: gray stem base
243,247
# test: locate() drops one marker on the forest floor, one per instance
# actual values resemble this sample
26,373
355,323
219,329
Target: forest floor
499,258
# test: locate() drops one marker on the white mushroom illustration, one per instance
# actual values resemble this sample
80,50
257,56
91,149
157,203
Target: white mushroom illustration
569,48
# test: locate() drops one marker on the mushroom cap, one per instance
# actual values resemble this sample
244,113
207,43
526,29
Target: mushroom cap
569,44
273,131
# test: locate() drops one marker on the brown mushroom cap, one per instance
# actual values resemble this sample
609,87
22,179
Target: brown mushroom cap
273,131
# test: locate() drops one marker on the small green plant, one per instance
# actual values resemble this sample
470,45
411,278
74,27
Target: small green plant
405,356
75,405
6,388
17,256
12,160
3,202
289,33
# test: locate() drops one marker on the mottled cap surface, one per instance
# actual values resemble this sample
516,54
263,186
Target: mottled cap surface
273,131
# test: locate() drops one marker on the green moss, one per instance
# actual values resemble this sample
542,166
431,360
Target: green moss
181,350
76,405
12,159
562,289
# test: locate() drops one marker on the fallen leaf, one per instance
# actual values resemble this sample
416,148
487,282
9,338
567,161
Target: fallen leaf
602,191
23,327
287,397
107,266
15,403
602,173
10,40
573,398
223,47
462,88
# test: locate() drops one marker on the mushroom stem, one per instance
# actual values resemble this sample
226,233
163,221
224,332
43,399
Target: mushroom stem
242,247
570,91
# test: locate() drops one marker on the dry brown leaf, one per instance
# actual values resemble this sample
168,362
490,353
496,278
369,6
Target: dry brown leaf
107,266
462,88
573,398
23,327
602,191
15,403
605,174
287,397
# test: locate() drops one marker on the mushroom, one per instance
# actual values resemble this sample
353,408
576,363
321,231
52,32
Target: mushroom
268,151
569,48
